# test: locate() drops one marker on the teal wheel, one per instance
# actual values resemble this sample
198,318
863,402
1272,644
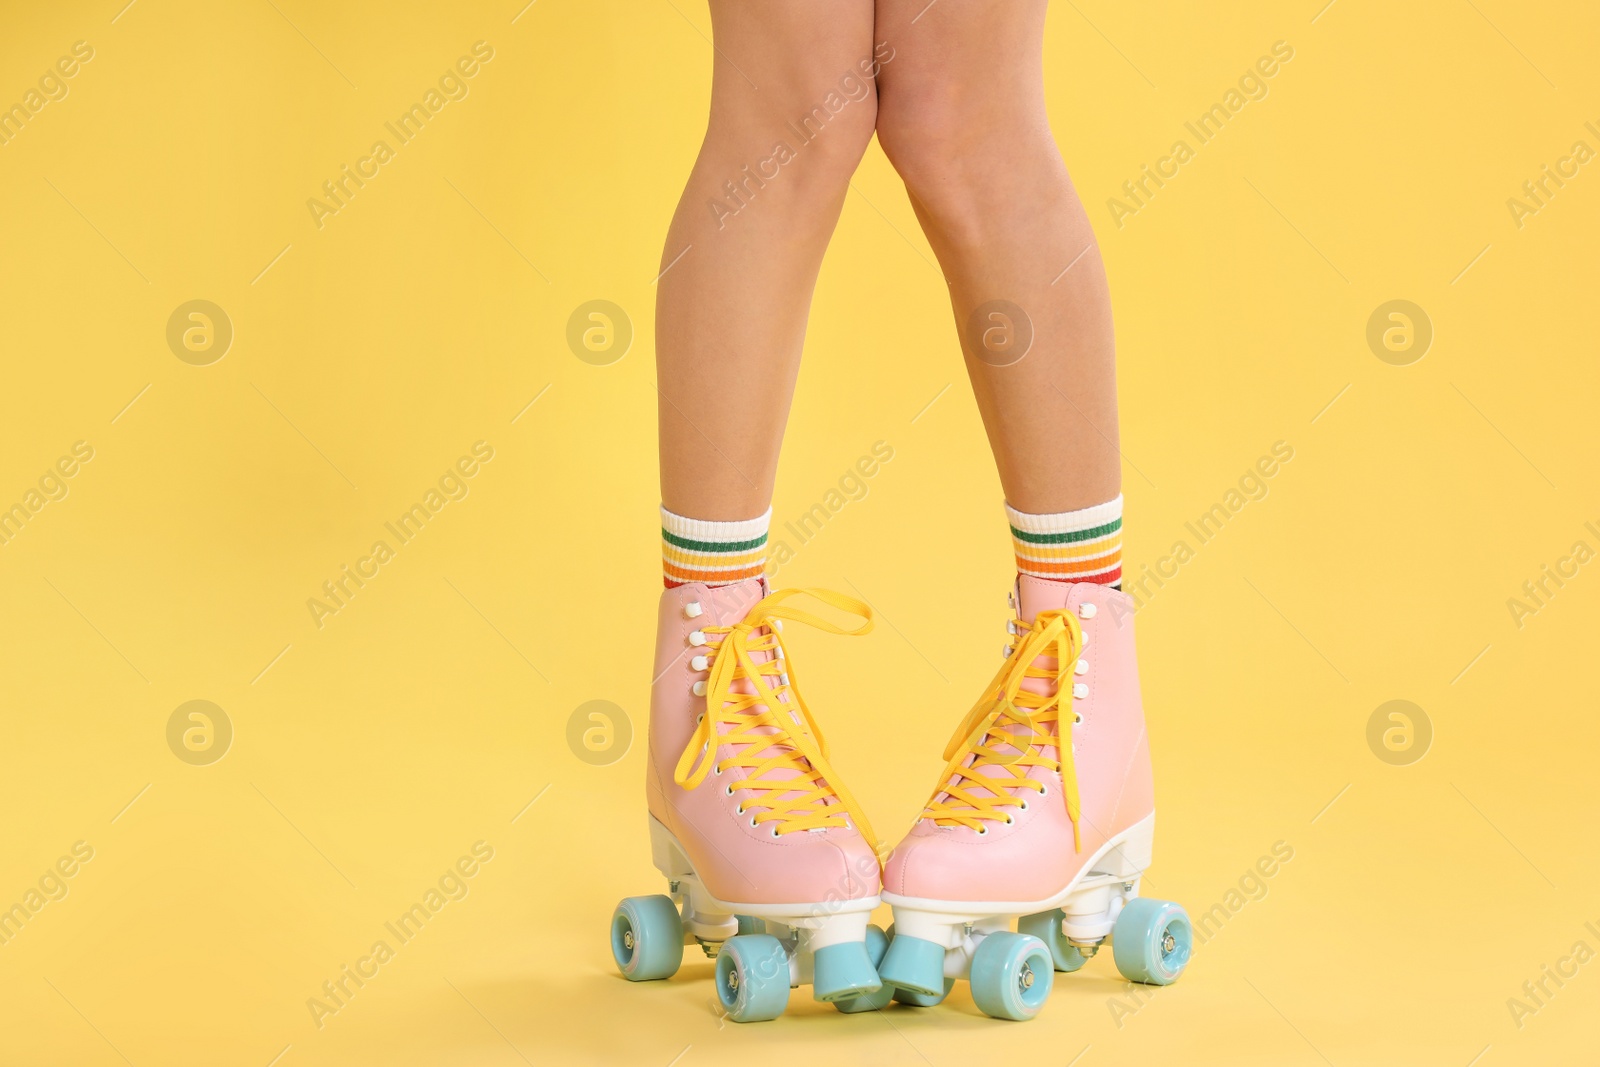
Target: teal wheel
1152,941
647,938
1046,926
877,945
1011,975
753,978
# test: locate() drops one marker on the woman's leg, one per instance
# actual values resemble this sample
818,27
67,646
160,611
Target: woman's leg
792,109
743,804
961,115
1056,774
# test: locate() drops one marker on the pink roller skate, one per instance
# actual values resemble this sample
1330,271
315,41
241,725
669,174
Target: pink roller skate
768,858
1024,827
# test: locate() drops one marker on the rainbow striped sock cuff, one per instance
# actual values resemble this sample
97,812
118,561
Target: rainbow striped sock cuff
1070,546
716,553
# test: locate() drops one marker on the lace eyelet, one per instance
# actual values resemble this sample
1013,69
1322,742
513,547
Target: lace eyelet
717,771
1044,790
1024,806
738,810
984,832
774,832
752,822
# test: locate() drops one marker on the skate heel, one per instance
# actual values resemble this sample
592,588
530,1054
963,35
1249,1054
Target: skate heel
665,854
704,922
1131,856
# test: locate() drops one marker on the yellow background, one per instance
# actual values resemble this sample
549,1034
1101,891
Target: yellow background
425,716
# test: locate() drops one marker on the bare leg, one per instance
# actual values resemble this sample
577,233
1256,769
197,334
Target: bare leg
961,115
792,109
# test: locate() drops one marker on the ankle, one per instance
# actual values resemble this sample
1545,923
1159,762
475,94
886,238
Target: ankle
1070,546
714,553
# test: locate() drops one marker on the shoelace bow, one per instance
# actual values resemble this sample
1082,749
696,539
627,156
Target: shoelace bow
794,742
989,735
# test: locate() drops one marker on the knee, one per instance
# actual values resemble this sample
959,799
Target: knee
802,146
822,141
929,141
958,163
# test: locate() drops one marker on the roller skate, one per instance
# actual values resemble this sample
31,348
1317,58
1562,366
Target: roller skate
1044,815
769,862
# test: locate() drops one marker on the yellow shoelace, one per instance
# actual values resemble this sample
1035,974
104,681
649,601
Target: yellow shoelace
819,800
990,734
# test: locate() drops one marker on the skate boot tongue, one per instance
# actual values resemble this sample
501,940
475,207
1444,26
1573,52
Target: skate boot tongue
754,710
1015,727
1035,595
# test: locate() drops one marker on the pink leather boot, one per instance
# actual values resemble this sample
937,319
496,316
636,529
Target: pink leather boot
767,856
1024,825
